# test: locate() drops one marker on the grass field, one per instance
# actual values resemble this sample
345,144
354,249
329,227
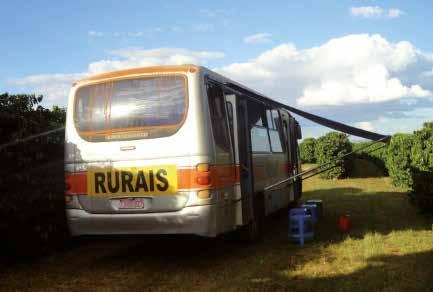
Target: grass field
390,247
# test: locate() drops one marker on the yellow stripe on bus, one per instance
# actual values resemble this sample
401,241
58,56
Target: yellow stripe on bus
135,181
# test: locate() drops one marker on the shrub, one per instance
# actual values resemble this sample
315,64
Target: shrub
328,148
422,163
398,160
307,149
422,149
31,176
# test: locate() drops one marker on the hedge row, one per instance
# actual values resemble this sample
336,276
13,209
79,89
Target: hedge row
32,216
410,164
408,160
325,150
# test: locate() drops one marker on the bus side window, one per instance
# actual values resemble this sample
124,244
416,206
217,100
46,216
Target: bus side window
275,131
258,130
217,109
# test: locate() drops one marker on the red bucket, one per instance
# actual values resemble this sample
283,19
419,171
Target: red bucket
344,223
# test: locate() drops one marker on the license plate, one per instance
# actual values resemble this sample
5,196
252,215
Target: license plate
131,203
136,181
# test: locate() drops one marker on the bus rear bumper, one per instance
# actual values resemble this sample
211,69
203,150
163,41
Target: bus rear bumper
199,220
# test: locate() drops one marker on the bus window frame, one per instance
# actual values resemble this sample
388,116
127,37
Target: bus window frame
93,133
207,80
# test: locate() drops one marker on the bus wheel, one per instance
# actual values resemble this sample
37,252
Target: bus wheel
253,231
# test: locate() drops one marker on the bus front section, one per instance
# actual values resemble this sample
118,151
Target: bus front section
136,158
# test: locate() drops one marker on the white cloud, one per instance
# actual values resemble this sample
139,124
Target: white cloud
375,12
366,11
258,38
362,76
136,57
368,126
395,13
92,33
55,87
427,74
353,69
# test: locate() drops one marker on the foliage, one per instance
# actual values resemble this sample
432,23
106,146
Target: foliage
398,160
422,163
422,149
328,148
307,149
410,164
31,174
22,115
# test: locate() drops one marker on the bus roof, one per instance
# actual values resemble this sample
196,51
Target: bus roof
142,70
184,68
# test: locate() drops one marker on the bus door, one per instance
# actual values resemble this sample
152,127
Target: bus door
288,133
294,131
245,159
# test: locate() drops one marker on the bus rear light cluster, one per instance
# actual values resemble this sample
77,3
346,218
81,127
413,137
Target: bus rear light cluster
204,179
75,183
204,175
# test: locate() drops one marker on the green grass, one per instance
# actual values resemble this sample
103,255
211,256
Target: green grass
390,247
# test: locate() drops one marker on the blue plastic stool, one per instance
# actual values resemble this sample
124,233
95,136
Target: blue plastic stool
319,204
300,227
312,209
298,211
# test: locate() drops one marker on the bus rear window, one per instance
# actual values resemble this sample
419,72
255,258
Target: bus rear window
130,109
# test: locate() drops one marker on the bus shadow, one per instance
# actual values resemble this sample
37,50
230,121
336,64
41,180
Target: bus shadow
370,213
168,261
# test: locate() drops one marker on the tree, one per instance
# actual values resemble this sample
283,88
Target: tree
307,149
422,148
330,147
22,115
398,160
422,167
31,174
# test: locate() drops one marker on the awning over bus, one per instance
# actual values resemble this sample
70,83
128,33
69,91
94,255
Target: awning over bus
338,126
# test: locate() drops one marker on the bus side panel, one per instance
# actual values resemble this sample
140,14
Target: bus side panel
224,154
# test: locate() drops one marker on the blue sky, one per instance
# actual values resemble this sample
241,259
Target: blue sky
318,45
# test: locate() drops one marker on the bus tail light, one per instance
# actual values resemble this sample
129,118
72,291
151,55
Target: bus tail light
75,183
203,167
203,174
204,194
204,179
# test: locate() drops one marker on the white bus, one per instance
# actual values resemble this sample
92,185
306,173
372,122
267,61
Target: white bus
175,150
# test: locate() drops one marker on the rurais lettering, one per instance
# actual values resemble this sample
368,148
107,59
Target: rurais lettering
113,188
113,182
163,186
99,182
141,182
